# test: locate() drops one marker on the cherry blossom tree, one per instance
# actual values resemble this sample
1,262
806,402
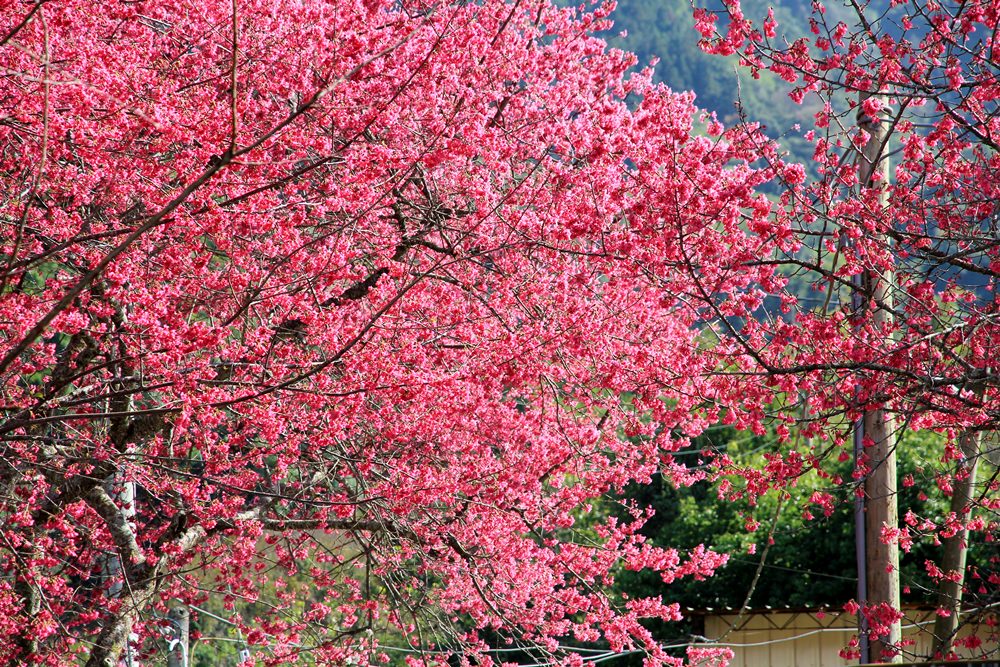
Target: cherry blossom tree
898,238
377,296
369,295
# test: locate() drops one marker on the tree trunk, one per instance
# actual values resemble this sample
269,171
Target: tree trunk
956,546
113,640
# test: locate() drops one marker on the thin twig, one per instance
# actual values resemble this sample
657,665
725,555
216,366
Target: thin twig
232,88
756,576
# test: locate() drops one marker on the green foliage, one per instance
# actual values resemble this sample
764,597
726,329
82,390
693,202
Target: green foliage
811,562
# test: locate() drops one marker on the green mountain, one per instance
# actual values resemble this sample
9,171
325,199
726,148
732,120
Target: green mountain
664,30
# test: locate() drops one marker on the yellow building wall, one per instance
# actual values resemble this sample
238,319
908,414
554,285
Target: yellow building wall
815,639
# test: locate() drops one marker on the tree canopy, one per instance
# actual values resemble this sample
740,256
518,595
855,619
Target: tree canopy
354,288
384,293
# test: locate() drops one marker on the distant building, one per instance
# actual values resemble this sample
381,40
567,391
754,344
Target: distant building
815,638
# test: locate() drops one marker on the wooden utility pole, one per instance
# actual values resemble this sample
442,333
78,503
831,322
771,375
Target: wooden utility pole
881,510
180,634
859,528
882,560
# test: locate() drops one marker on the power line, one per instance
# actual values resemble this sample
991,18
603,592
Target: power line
795,569
594,655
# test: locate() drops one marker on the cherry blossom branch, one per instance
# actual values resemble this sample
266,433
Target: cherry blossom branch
84,282
118,526
234,121
20,26
46,120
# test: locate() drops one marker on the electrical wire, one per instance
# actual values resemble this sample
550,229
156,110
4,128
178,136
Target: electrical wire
596,656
